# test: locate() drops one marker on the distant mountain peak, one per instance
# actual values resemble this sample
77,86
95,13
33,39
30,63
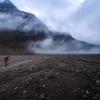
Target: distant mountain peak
7,6
5,1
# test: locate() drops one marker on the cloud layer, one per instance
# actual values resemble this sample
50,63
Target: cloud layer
81,18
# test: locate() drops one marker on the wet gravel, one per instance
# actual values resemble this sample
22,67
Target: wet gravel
50,77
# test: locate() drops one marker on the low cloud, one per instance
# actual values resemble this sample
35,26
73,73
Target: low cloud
9,22
19,23
49,46
80,18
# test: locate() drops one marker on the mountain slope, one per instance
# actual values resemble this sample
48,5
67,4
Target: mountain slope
15,22
20,31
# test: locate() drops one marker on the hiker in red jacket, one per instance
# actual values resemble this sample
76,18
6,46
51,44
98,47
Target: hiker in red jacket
6,60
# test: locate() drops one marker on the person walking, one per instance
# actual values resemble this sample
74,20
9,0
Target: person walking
6,59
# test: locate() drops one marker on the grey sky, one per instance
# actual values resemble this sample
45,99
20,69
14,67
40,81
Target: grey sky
80,18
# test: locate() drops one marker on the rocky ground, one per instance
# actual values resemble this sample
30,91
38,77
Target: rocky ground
50,77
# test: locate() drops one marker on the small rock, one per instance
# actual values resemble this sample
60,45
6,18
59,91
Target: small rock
24,92
43,97
87,91
44,85
16,88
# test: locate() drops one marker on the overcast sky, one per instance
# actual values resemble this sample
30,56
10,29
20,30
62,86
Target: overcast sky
80,18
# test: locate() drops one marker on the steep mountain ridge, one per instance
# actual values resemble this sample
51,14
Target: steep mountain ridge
13,19
7,6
